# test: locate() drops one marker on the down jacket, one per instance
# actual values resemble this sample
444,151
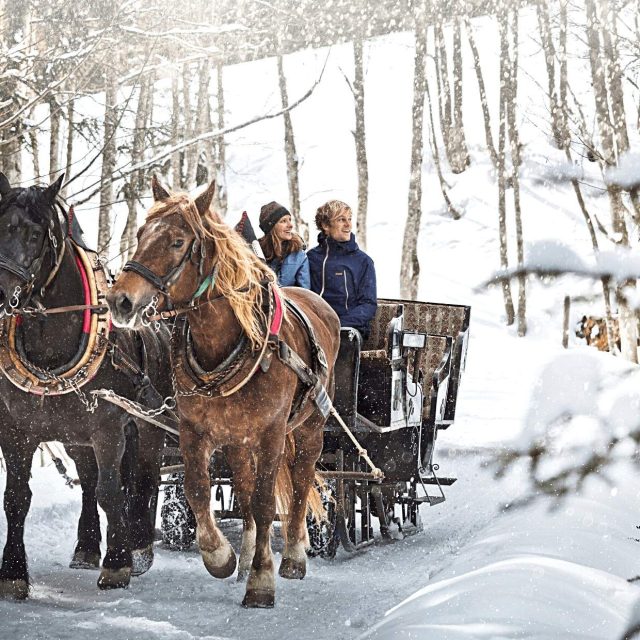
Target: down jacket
345,277
293,271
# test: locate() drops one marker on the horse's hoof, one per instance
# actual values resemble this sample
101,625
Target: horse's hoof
14,589
114,578
259,599
85,560
292,569
220,563
142,560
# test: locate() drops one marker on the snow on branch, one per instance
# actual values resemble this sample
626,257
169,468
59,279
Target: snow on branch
583,419
219,132
552,258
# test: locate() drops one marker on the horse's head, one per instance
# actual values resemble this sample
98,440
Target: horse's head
174,254
30,240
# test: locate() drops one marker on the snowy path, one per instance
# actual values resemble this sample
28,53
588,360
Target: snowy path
178,599
338,599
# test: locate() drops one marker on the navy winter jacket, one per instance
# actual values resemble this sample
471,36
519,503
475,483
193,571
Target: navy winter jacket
293,271
345,277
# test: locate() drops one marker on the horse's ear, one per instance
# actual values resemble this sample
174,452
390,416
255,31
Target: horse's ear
5,187
51,192
203,201
159,192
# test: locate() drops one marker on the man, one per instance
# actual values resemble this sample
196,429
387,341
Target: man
340,272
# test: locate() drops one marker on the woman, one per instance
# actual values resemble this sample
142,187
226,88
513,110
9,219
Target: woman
283,249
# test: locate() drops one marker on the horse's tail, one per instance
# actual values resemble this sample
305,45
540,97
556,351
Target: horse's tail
284,489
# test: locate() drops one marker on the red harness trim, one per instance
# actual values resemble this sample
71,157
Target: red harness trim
86,323
276,321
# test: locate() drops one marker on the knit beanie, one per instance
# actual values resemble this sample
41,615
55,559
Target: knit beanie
270,214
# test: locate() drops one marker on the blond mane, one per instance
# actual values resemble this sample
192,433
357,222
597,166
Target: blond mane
240,272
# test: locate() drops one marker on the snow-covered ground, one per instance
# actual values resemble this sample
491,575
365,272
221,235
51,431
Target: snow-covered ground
482,568
479,569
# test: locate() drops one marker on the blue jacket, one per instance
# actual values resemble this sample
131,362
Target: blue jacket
293,271
345,277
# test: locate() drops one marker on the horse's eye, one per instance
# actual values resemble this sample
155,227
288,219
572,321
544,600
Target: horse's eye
177,244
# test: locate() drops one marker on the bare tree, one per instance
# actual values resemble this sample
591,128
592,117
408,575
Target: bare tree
359,134
542,7
291,155
220,148
54,138
410,264
69,145
108,160
612,139
361,142
12,98
450,94
510,94
486,116
505,67
176,157
135,184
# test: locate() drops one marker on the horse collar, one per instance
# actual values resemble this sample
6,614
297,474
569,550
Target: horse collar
91,351
236,370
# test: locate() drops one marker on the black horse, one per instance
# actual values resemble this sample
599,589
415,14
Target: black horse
40,269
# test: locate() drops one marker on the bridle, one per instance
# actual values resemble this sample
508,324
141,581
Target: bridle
29,274
162,283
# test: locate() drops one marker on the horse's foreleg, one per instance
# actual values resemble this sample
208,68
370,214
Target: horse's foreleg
217,554
261,585
308,443
144,484
14,577
244,478
116,566
87,552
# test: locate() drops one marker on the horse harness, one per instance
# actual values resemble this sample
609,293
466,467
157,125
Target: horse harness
94,341
239,367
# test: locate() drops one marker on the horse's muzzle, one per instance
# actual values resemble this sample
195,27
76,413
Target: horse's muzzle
123,309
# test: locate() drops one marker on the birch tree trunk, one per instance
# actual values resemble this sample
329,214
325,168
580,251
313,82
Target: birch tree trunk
486,116
108,161
69,147
548,48
502,169
511,94
458,152
11,92
189,125
54,139
410,265
177,178
201,114
135,185
442,79
610,138
361,143
220,149
35,147
291,155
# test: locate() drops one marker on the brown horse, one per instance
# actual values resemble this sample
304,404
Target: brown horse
235,386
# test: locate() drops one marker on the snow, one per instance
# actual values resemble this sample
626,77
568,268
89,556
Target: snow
489,563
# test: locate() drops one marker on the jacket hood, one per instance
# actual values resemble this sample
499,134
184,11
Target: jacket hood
349,246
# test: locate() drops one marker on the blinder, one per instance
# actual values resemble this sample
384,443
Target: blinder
29,274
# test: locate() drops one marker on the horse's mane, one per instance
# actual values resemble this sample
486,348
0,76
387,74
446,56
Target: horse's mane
240,272
32,199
